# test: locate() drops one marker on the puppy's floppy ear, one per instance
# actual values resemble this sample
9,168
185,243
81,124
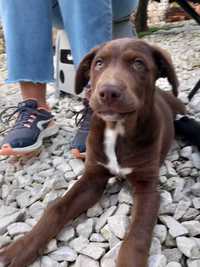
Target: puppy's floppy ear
83,71
165,68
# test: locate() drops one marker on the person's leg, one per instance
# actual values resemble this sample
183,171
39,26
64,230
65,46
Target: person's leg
37,91
122,10
87,23
28,29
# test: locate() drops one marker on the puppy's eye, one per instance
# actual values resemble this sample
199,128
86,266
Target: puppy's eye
99,63
138,65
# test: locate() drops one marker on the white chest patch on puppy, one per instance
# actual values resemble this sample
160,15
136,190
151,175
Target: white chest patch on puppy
110,138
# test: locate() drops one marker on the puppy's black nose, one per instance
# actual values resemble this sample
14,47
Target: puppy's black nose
110,93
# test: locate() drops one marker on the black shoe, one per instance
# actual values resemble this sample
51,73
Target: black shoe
78,145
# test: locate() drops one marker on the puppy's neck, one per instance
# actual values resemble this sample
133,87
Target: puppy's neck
116,125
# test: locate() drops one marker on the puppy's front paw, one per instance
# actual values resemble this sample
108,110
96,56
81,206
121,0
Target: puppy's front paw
18,254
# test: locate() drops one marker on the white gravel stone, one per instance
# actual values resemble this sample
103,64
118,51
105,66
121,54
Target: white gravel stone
190,214
171,172
66,234
175,228
97,238
59,183
70,175
79,243
160,231
193,227
195,189
155,248
181,209
4,240
7,210
85,229
18,228
173,264
104,217
167,209
165,199
118,225
157,261
109,236
113,199
96,210
83,261
48,262
23,199
77,166
170,242
63,264
110,257
125,195
36,210
7,220
196,202
64,254
186,152
51,246
185,169
178,193
37,263
24,180
63,167
123,209
196,160
188,246
193,263
172,254
173,182
163,170
93,251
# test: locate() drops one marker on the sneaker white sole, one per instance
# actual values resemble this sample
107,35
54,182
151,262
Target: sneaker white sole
51,130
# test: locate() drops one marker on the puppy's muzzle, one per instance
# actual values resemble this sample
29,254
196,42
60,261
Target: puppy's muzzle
110,94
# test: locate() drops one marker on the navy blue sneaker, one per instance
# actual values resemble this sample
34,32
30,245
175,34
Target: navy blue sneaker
78,145
32,125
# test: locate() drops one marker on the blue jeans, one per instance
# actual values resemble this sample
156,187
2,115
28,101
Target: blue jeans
28,25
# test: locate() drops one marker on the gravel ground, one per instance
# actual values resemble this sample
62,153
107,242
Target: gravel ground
93,239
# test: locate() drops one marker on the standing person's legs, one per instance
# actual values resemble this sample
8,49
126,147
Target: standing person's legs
28,33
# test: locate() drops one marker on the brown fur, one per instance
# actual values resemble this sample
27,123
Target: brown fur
123,75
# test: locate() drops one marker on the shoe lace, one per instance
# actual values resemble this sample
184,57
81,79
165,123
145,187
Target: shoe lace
25,118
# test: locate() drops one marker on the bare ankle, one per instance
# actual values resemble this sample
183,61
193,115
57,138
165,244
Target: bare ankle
35,91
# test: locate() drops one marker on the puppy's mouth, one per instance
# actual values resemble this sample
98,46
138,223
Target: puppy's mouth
110,115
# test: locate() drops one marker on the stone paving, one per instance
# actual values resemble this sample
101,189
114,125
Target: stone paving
93,239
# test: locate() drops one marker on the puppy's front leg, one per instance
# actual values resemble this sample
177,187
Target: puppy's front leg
135,247
80,197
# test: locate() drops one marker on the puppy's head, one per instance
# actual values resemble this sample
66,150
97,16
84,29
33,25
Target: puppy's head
123,73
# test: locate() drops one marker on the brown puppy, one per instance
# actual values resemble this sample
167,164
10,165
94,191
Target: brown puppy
131,133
